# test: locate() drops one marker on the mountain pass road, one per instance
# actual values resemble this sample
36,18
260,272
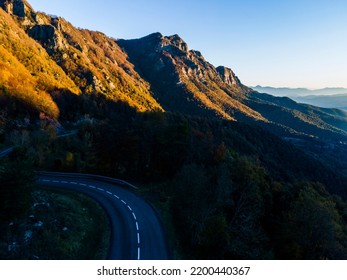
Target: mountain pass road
136,232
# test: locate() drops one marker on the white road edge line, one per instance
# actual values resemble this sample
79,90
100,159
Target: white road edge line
100,189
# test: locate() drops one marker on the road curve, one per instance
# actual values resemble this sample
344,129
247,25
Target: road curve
6,151
136,233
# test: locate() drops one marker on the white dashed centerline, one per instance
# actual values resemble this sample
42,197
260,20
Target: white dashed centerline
110,193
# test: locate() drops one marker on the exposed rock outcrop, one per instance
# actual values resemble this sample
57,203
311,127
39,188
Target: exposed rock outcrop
156,72
48,36
19,8
228,76
184,81
93,61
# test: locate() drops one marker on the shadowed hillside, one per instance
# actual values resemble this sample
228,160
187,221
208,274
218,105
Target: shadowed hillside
233,173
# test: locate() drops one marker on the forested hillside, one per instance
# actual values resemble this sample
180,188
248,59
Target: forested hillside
233,173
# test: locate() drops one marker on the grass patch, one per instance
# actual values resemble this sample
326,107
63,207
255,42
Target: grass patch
61,225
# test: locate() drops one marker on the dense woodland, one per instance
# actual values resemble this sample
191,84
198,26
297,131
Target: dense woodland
197,141
228,190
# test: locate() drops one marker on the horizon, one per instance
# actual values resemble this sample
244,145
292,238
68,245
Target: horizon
294,88
294,44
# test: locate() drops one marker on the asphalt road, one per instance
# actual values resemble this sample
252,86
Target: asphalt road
136,232
9,150
6,151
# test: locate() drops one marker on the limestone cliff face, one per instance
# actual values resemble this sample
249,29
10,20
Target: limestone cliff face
19,8
91,59
48,36
228,76
184,81
156,72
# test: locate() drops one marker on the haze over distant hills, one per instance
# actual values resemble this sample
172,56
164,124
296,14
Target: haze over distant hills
326,97
293,92
326,101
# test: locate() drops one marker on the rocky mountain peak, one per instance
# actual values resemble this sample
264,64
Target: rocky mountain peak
41,27
154,37
19,8
156,41
177,41
228,76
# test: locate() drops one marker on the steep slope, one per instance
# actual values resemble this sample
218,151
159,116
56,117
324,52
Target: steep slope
183,81
160,73
26,71
91,59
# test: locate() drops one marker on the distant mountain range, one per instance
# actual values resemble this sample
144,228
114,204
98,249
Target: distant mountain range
326,101
325,98
295,92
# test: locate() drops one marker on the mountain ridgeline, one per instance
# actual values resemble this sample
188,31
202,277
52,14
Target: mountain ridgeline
152,73
237,173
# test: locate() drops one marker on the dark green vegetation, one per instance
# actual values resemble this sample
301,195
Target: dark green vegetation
46,224
226,192
16,186
236,174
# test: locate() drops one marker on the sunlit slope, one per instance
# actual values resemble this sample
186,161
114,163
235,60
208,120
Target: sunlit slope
26,71
183,81
92,60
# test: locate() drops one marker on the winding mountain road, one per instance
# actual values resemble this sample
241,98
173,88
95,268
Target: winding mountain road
136,233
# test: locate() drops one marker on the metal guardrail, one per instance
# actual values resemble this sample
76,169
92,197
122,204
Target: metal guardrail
89,176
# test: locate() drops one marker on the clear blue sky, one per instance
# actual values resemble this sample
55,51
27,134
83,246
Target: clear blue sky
281,43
